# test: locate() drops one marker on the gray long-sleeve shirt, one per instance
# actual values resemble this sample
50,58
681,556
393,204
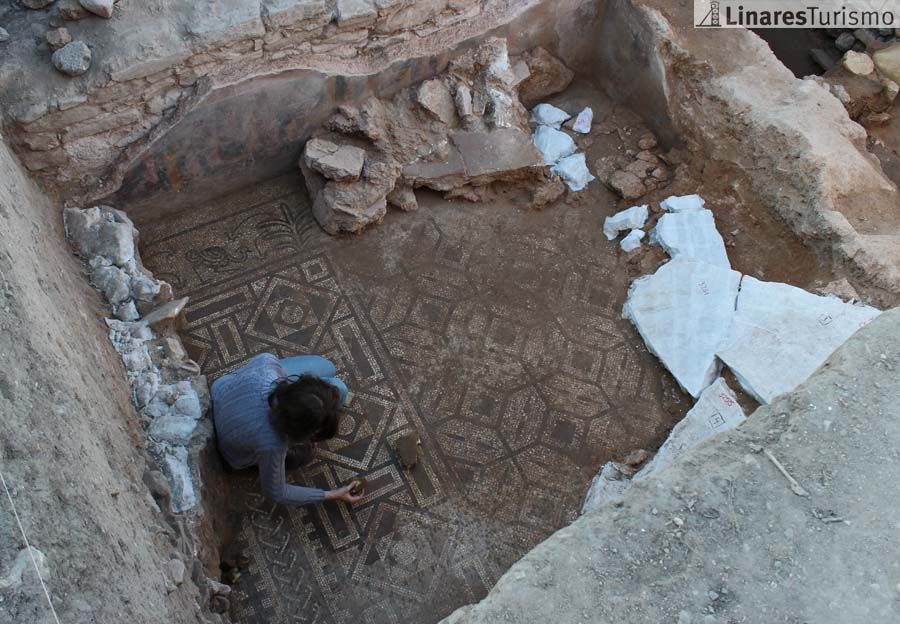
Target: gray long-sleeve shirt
245,433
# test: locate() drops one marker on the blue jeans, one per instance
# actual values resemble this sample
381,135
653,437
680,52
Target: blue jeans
316,366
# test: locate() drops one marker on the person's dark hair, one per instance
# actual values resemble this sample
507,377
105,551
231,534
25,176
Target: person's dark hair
304,408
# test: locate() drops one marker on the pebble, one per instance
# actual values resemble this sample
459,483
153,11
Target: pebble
845,41
103,8
72,59
176,570
858,63
678,522
58,38
157,484
4,35
647,142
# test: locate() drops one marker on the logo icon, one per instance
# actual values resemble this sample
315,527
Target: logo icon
710,19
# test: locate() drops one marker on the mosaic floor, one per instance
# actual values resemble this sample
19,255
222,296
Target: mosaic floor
493,332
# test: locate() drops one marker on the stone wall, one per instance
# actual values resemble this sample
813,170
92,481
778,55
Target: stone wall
82,134
724,96
71,450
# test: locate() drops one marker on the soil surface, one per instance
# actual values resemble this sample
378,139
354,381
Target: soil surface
493,331
787,518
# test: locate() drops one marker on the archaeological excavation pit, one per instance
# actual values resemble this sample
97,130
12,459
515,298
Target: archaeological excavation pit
464,289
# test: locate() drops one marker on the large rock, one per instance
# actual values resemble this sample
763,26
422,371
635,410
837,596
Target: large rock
435,98
683,312
72,59
626,184
463,101
101,231
103,8
547,75
888,61
113,282
178,473
337,216
496,155
403,197
343,163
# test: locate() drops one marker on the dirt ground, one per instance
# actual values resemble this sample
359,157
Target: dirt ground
70,443
493,331
722,536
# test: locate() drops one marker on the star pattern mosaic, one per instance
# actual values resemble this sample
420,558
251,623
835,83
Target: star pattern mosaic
492,332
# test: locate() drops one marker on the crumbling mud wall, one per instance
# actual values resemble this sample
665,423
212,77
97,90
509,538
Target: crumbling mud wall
724,95
71,450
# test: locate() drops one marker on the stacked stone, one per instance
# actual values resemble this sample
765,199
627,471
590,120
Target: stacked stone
458,133
636,173
168,390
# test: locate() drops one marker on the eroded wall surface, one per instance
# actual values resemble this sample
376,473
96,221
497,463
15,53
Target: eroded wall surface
69,439
725,96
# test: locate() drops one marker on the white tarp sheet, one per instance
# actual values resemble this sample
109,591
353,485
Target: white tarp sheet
552,144
781,334
682,203
683,312
691,234
630,219
715,411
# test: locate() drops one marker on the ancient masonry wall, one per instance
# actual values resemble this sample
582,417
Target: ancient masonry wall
72,142
726,96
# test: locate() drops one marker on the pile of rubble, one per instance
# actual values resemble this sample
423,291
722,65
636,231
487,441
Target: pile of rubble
71,58
557,148
866,83
168,390
634,174
459,133
697,314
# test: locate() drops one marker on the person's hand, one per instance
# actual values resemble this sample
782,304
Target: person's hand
344,494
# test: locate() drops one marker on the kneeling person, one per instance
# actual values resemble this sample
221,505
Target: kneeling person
269,405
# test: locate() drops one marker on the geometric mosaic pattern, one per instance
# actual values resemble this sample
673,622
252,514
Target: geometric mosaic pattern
494,333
